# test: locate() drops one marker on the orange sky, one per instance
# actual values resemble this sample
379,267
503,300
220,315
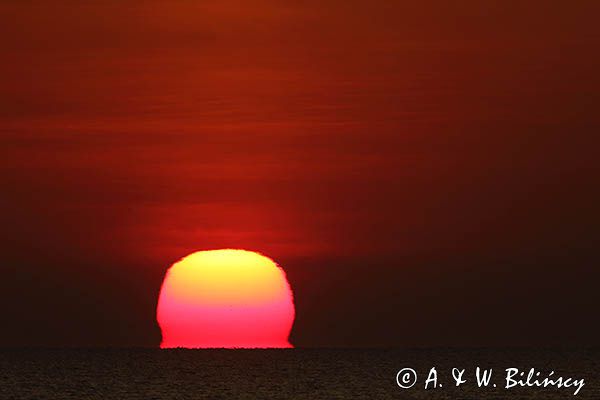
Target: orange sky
136,132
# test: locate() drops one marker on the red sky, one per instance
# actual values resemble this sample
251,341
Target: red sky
426,137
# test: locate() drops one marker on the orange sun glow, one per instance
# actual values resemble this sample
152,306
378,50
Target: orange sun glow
225,298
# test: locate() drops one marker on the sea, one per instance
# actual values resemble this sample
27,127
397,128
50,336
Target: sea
315,373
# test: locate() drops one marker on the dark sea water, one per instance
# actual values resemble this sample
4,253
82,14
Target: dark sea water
283,374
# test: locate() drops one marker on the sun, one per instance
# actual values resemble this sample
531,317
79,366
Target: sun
225,298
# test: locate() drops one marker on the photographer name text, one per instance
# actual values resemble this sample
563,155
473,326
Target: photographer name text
509,378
